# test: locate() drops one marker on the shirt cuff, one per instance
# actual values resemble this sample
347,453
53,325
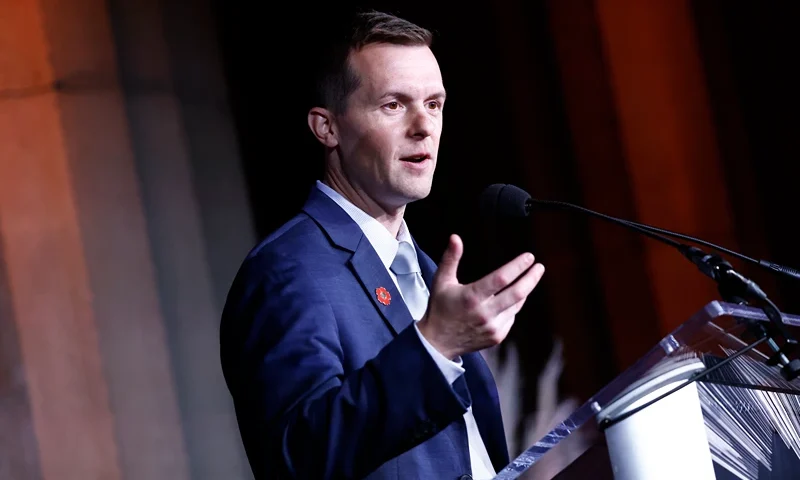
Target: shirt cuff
451,369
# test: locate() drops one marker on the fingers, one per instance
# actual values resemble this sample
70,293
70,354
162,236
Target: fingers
514,309
502,277
503,333
448,266
503,322
515,295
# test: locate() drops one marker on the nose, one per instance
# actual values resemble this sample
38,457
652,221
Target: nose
422,125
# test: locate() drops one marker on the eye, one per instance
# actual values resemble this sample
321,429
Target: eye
434,105
392,105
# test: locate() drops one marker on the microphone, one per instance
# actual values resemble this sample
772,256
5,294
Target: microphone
510,201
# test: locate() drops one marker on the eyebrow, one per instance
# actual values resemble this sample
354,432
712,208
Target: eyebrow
397,94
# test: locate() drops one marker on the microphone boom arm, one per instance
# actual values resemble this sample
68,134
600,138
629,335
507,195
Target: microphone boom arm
733,286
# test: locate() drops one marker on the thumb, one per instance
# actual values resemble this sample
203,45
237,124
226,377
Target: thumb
448,266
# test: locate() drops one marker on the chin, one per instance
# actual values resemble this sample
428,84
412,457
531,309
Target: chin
404,196
415,194
407,190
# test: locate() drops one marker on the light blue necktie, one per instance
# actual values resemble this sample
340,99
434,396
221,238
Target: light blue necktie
409,279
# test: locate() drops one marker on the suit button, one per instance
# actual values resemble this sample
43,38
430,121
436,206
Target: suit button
465,477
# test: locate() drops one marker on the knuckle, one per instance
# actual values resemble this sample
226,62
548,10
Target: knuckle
492,334
497,337
471,300
490,330
485,320
502,279
518,295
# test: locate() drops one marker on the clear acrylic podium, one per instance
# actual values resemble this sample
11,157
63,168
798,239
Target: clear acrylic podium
740,422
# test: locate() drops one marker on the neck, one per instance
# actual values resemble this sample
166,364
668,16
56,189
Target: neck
390,218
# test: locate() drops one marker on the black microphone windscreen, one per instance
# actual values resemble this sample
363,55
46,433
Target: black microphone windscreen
504,201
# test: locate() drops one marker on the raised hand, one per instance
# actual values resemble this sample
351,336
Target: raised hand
467,318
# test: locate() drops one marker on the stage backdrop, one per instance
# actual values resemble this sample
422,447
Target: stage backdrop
145,146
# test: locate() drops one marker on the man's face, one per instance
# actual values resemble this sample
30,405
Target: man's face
389,132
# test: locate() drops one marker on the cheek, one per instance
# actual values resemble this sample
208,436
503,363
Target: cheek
381,142
356,144
371,141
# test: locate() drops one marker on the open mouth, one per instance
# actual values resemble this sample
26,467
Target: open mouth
416,158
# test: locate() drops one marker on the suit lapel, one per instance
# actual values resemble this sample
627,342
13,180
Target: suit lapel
365,263
373,277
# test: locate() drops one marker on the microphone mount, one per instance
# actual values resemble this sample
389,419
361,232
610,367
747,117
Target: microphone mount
732,286
784,270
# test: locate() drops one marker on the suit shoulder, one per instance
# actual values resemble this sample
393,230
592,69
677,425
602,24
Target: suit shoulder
290,237
300,242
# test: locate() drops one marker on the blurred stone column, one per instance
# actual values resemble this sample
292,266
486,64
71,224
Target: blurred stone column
195,202
76,254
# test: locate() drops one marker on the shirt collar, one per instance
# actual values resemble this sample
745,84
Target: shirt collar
379,237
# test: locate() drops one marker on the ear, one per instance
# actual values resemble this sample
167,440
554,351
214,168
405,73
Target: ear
322,125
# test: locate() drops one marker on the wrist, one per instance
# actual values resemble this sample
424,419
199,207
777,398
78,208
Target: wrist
427,331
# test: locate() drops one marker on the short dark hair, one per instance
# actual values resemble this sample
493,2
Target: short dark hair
336,79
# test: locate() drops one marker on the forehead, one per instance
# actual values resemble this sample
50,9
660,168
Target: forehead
411,69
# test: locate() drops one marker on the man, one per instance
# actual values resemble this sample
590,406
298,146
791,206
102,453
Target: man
347,352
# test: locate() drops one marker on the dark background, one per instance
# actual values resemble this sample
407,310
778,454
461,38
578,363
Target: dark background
745,52
146,145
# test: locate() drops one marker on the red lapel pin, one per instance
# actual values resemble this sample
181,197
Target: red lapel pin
383,295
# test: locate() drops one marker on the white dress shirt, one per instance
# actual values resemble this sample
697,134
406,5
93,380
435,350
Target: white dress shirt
386,247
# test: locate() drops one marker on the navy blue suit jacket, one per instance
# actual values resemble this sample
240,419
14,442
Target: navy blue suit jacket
327,381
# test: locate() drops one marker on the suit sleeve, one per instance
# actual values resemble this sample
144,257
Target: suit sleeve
300,415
